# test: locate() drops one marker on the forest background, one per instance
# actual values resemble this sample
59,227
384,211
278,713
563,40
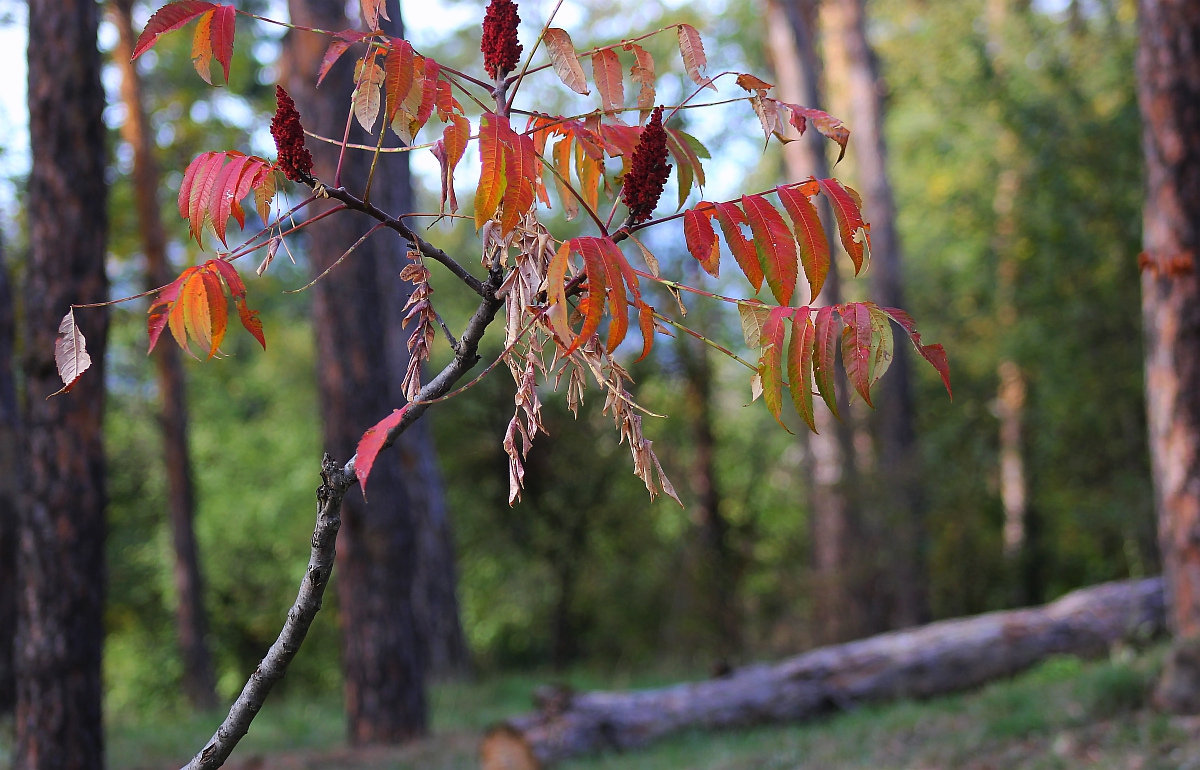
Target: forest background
1015,156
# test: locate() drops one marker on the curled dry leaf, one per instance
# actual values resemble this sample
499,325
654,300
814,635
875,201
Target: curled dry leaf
70,353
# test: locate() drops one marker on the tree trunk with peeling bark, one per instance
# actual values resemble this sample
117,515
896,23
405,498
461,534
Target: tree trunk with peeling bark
1168,70
8,491
399,615
839,608
945,657
60,551
191,622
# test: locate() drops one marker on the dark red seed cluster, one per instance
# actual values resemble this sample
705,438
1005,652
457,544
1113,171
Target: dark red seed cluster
295,160
500,48
648,171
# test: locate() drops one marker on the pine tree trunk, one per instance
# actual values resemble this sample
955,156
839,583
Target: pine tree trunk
8,492
199,682
399,615
60,551
715,578
840,612
897,500
1168,70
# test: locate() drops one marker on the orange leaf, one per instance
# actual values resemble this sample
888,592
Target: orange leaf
730,217
692,50
519,189
856,237
701,238
556,296
800,365
493,131
591,171
775,245
606,71
161,306
814,247
562,163
618,309
196,318
202,52
453,146
371,443
565,61
372,10
70,353
218,310
168,19
770,362
824,351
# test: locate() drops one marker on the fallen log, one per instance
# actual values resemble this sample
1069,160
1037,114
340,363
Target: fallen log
944,657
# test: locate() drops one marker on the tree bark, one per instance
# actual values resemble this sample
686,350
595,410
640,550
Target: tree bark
199,682
9,425
840,612
896,501
399,616
945,657
60,551
715,578
1168,71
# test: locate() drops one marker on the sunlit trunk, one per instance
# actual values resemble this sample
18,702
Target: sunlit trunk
199,684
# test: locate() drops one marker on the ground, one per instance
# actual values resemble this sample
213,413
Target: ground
1063,714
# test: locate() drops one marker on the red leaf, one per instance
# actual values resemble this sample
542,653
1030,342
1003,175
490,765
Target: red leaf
333,53
856,237
220,205
606,71
934,354
168,19
701,238
249,318
519,187
621,272
201,193
161,306
800,365
824,352
70,353
692,50
829,126
398,76
224,27
371,444
428,90
493,131
775,245
730,216
814,247
856,348
449,151
770,362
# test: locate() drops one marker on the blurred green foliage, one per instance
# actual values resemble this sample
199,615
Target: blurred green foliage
584,569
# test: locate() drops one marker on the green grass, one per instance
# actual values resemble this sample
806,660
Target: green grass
1063,714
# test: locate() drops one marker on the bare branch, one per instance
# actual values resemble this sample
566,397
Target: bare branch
300,617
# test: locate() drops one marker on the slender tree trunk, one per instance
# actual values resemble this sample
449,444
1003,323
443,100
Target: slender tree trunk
399,615
715,579
839,611
9,424
1168,70
1011,392
60,550
898,470
199,683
